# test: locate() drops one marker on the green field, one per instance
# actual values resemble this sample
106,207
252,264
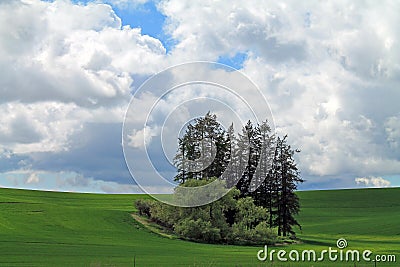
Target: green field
68,229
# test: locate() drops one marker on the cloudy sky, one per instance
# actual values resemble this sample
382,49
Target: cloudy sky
330,72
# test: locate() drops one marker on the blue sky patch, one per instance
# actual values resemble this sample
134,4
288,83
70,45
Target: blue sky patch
148,18
144,16
236,61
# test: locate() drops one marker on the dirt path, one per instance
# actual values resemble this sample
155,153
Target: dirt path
148,225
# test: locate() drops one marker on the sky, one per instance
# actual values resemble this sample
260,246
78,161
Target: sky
330,72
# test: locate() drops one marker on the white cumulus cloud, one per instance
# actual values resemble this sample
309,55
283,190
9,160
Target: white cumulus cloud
64,65
33,178
372,182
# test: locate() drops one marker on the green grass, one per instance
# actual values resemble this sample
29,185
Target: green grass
67,229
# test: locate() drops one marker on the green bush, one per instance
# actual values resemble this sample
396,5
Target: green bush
198,230
144,207
260,235
250,225
164,214
227,220
264,234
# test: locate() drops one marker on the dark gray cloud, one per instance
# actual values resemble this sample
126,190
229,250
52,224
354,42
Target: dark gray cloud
95,151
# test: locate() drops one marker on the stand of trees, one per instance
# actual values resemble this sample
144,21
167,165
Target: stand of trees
262,167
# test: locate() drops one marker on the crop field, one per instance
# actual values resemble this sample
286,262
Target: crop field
71,229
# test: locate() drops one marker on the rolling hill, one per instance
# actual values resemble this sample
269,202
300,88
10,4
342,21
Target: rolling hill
70,229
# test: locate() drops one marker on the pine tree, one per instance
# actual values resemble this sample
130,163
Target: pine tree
272,184
245,157
187,152
202,150
287,177
262,181
230,173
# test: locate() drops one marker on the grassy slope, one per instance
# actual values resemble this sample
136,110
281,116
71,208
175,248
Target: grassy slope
367,218
55,229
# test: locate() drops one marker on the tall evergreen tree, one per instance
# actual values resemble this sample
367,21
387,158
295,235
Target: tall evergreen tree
185,156
202,150
287,177
262,183
230,173
247,155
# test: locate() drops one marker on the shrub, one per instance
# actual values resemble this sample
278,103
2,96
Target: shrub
227,220
164,214
265,235
260,235
198,230
144,207
250,226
